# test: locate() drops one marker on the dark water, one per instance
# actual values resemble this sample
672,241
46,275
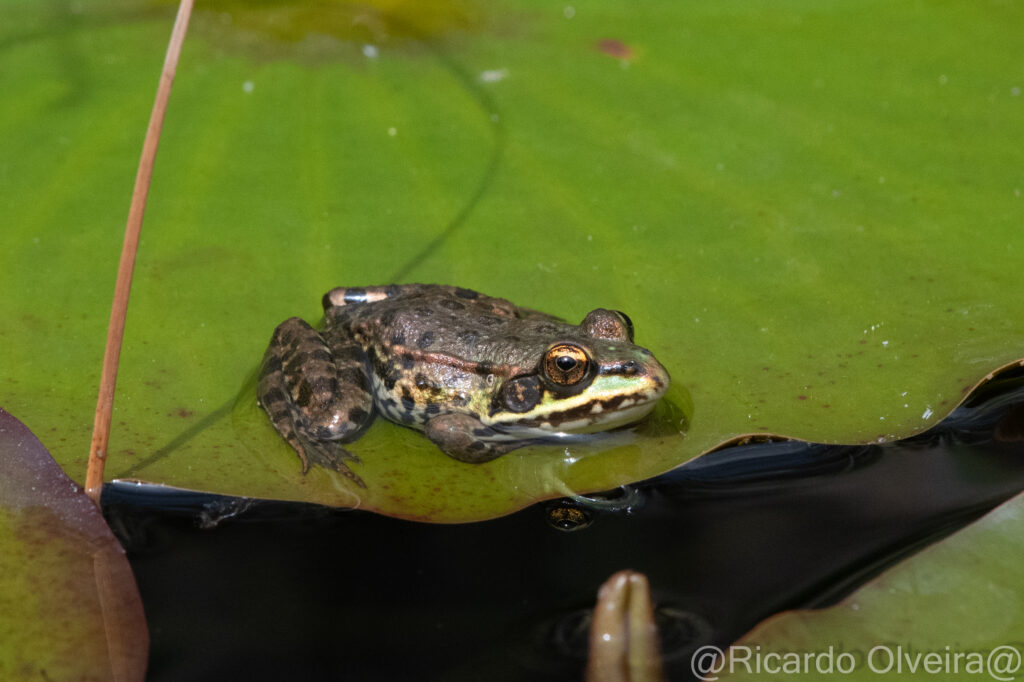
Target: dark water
271,591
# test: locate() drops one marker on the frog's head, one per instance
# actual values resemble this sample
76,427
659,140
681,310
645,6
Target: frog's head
592,379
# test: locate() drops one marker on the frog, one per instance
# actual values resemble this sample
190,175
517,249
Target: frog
478,375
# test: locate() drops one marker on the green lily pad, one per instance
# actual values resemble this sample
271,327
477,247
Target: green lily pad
69,608
949,612
811,211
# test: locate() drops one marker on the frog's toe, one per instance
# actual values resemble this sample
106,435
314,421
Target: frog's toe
330,455
350,475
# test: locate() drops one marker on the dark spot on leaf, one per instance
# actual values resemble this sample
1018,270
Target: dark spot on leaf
614,48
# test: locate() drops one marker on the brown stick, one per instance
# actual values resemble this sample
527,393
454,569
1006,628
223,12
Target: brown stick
115,331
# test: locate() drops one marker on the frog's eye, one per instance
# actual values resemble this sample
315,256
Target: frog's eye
566,364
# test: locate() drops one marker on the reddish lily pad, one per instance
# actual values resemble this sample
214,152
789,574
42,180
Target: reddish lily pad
69,607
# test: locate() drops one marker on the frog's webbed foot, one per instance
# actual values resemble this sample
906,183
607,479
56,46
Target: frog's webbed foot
315,395
328,454
467,439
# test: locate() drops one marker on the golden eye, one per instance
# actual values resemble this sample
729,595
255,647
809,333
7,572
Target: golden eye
566,364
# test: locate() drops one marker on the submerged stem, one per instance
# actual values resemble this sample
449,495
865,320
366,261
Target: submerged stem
115,330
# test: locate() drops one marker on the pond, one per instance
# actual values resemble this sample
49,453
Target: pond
238,588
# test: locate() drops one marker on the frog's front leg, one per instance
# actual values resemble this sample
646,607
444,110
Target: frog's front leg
316,395
466,438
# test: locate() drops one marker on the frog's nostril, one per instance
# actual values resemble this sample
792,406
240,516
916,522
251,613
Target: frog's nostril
631,367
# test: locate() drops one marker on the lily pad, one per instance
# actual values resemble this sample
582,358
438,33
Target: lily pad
69,608
949,612
811,211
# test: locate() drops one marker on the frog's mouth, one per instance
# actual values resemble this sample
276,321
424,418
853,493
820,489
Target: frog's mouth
610,401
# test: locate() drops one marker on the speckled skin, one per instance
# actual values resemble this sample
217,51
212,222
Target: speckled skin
479,375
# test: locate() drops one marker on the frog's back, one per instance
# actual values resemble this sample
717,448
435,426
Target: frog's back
435,320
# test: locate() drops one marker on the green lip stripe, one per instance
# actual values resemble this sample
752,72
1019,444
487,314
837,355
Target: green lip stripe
603,402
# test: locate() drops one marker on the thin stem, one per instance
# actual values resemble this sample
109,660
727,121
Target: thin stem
115,331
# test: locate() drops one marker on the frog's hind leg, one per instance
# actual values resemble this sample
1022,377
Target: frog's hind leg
316,398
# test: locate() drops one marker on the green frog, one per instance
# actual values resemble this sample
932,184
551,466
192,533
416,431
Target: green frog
478,375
